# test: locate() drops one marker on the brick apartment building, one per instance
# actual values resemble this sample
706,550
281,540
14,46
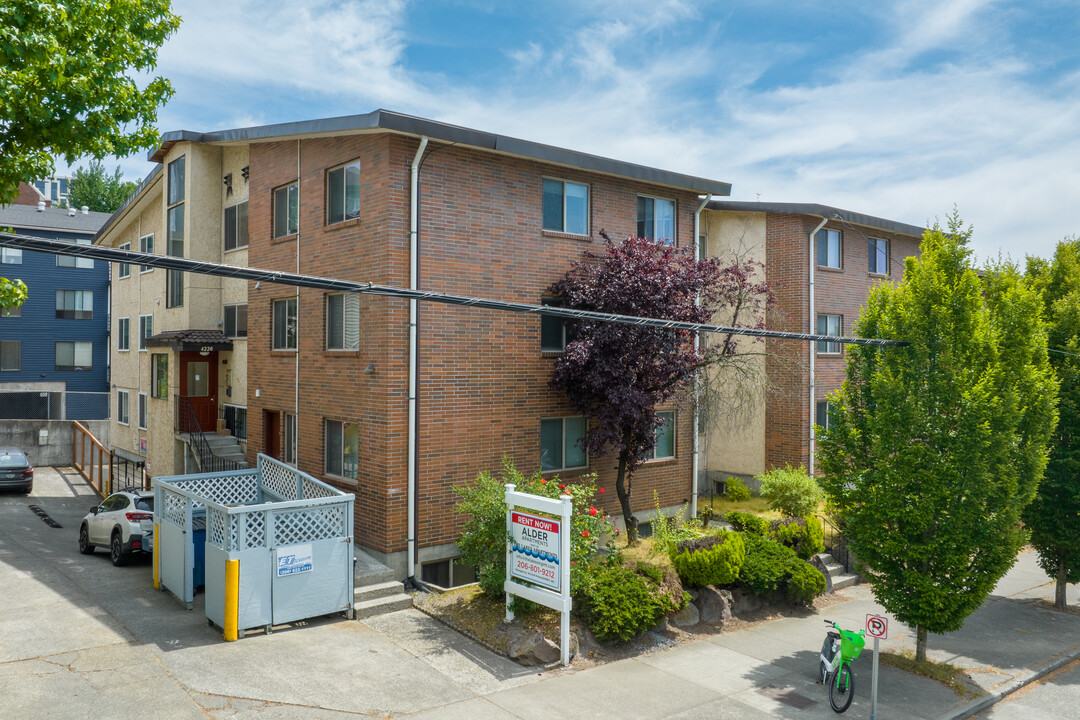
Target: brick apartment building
852,253
327,382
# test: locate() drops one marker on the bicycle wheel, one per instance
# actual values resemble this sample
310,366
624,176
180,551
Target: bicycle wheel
841,688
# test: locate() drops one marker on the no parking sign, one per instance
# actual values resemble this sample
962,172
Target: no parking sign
877,627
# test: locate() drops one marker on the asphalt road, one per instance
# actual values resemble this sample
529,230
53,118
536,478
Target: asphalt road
1055,697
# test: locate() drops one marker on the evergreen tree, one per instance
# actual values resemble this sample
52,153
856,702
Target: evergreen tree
97,190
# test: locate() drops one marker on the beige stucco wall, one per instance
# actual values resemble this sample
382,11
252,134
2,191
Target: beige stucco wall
736,444
204,296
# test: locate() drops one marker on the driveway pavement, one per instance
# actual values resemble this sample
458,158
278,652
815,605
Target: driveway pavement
82,639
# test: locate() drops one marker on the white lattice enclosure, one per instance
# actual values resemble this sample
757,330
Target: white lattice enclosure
291,534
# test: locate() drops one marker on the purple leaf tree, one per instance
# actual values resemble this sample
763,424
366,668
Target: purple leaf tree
616,374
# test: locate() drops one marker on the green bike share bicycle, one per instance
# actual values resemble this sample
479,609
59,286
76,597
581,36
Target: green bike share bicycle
839,651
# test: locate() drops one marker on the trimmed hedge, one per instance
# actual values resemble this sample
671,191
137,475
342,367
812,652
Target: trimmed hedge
767,565
804,535
747,522
709,560
804,584
617,603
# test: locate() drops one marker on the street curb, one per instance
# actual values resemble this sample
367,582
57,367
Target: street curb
993,697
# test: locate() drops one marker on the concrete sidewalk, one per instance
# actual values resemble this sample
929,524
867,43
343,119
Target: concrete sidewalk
81,638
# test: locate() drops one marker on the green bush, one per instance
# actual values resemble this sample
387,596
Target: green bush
709,560
804,535
617,603
668,531
747,522
767,565
805,582
791,491
736,490
484,534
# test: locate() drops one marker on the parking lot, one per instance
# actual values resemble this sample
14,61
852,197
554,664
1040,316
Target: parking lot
82,638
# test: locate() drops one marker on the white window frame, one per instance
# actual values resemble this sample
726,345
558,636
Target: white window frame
344,169
553,302
822,406
11,256
146,246
123,409
825,347
651,455
588,206
873,246
829,234
75,344
143,420
124,269
143,335
123,332
671,241
565,444
74,261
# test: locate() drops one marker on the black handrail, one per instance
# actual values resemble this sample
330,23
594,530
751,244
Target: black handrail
836,543
187,422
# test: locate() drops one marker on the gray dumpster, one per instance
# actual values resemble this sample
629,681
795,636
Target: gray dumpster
289,535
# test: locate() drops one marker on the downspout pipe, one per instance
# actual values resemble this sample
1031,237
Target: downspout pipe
414,348
812,326
697,345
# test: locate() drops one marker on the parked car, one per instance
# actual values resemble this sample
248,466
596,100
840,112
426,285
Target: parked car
124,524
16,473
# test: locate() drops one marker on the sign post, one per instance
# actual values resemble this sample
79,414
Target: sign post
538,552
877,627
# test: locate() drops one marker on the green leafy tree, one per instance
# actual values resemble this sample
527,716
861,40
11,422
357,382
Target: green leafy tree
65,88
65,82
97,189
1054,516
934,449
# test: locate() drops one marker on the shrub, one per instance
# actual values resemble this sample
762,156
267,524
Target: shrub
803,535
791,491
747,522
736,489
767,565
484,534
665,586
804,584
616,603
709,560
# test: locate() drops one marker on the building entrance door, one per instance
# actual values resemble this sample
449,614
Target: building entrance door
272,433
198,383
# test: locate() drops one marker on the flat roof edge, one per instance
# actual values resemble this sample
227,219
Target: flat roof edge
825,211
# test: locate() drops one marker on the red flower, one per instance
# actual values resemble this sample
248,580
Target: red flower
601,489
573,562
616,532
543,481
562,486
584,533
592,511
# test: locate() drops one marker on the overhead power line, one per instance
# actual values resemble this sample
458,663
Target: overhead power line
58,247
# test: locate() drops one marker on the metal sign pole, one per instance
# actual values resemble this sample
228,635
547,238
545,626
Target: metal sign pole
873,683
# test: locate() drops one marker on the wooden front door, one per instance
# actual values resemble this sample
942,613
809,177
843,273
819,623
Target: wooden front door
272,433
198,383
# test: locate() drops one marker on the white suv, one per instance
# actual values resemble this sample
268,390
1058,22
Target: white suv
124,523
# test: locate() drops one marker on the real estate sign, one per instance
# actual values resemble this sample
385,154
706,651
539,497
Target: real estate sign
534,552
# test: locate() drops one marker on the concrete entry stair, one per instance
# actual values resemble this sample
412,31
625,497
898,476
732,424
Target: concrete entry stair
840,579
377,589
226,446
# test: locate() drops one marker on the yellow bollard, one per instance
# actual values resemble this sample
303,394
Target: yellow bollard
157,573
232,598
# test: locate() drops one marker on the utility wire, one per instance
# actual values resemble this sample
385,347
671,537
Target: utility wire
108,254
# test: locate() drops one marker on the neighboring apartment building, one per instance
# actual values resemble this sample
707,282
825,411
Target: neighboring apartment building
30,195
852,252
328,374
54,349
55,189
178,339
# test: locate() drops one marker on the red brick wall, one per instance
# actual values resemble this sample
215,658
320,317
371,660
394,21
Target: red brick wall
482,388
28,195
837,292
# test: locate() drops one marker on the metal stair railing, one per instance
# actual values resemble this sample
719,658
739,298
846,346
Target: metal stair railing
836,543
205,456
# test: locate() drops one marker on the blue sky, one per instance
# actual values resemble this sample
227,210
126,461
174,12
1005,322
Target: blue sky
896,109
